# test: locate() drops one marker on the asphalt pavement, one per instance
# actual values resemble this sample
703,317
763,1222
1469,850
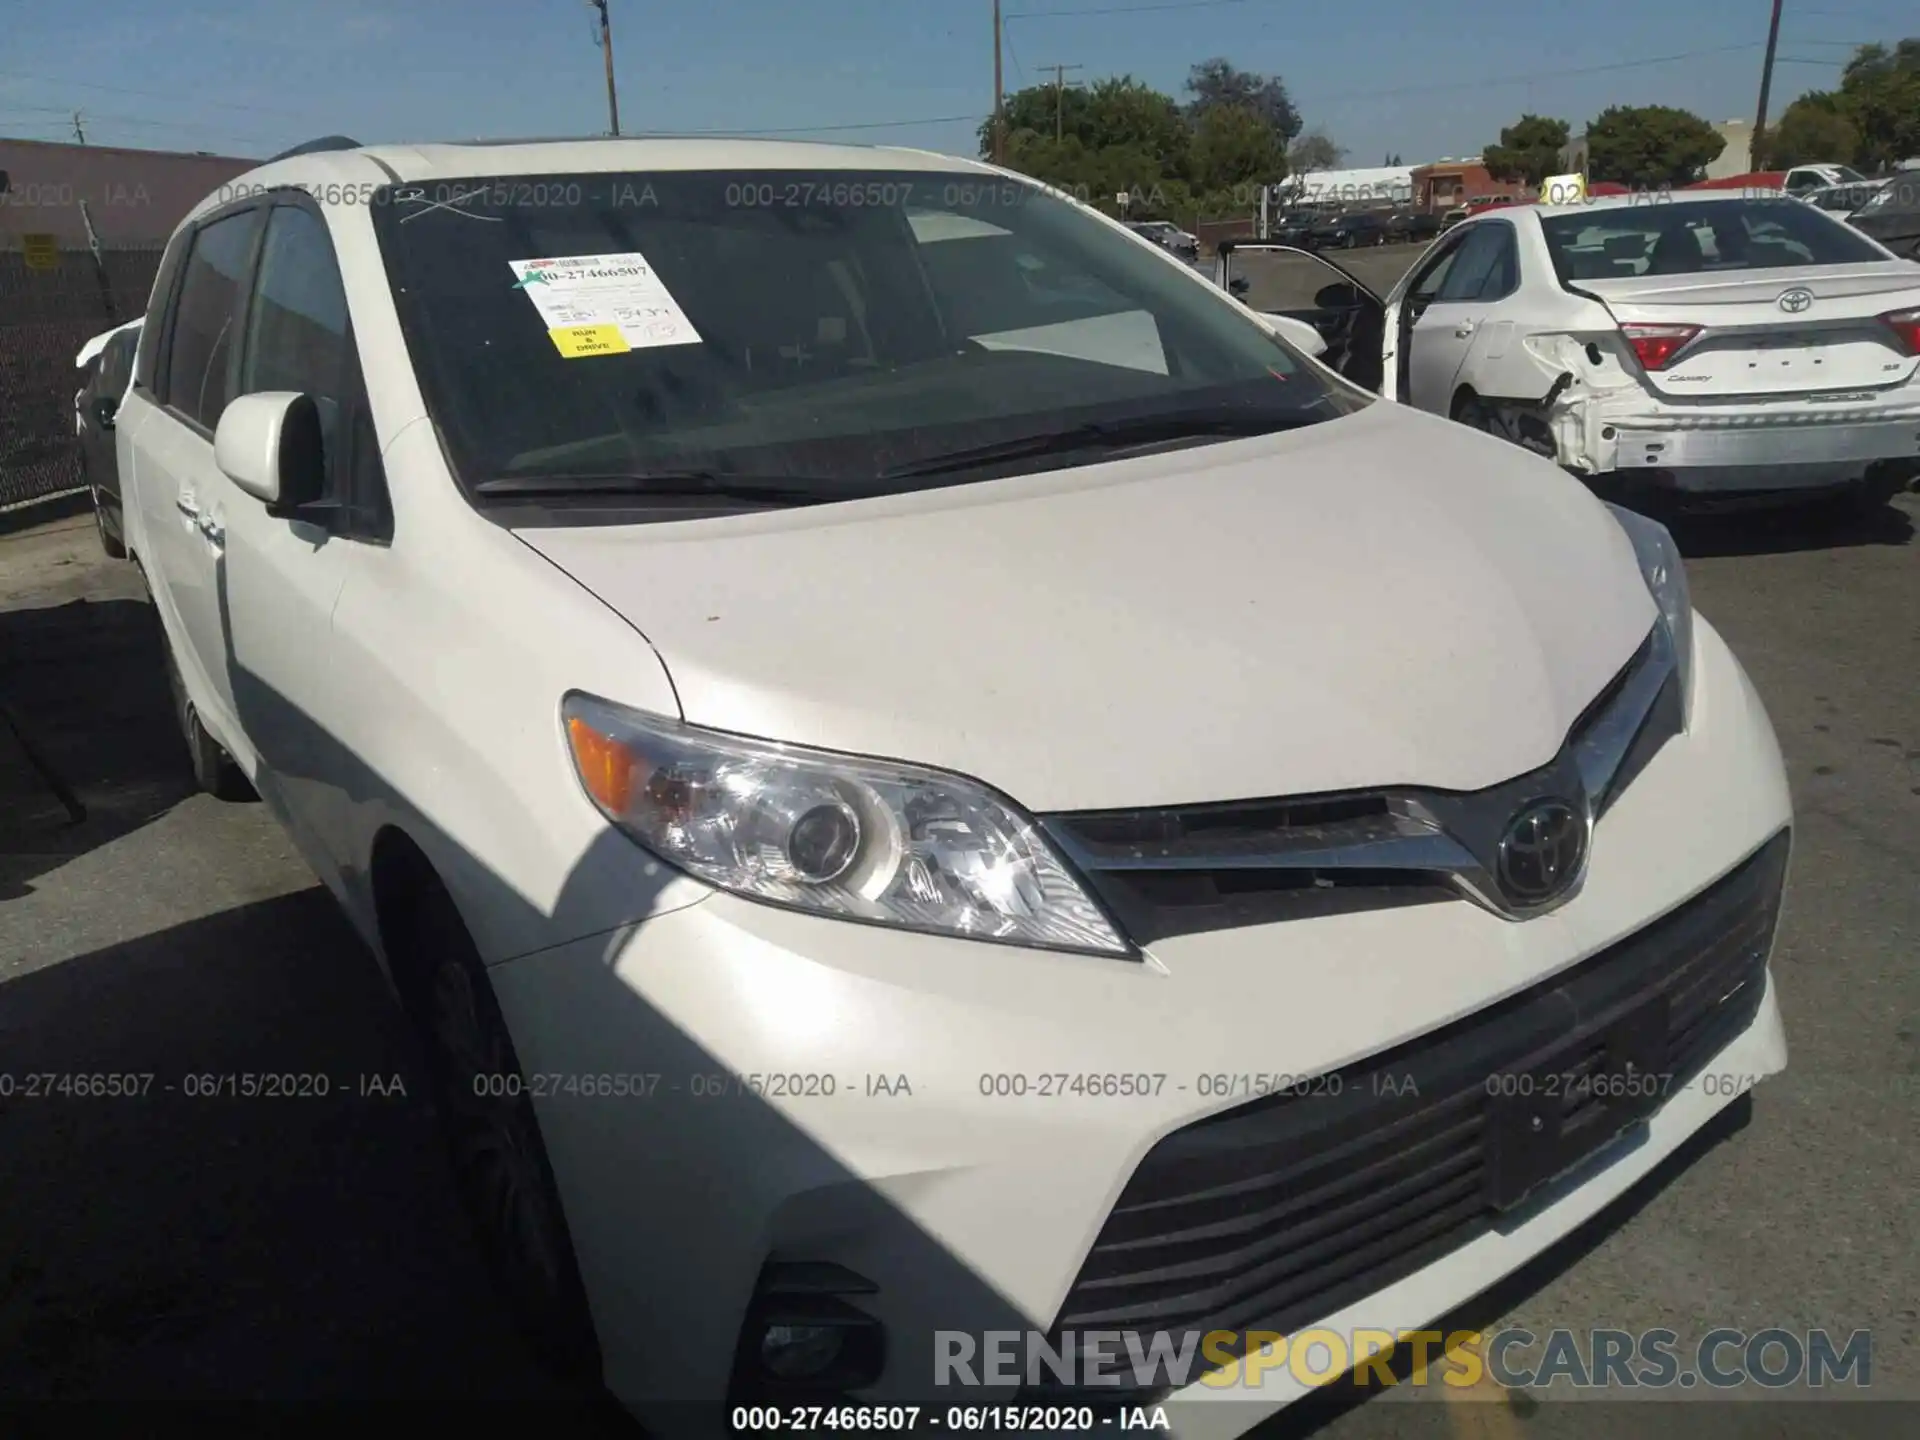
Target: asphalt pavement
171,1246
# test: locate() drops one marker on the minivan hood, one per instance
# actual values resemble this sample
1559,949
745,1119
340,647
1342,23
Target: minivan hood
1388,598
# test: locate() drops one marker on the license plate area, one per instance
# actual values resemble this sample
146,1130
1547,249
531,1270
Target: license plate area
1548,1118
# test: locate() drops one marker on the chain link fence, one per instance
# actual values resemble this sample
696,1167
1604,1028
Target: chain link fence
46,315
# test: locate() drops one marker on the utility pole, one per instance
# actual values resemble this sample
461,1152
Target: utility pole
606,49
1059,95
1766,85
78,133
999,95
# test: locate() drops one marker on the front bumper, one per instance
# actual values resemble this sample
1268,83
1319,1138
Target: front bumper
974,1211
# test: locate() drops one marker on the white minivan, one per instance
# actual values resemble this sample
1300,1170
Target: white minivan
925,772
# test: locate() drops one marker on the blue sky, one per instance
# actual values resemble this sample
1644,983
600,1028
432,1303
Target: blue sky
1411,76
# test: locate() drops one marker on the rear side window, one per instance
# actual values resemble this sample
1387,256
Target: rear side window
1700,236
197,372
152,333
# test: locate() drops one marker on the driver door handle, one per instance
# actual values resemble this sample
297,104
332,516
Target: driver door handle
186,507
1464,329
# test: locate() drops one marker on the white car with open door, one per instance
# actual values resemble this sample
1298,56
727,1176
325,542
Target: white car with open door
1717,347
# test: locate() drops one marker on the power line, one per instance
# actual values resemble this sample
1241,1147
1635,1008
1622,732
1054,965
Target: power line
1126,9
155,95
1491,82
824,129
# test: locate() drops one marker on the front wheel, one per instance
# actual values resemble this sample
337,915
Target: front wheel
493,1136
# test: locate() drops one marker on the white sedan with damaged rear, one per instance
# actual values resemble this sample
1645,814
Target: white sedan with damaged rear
1721,348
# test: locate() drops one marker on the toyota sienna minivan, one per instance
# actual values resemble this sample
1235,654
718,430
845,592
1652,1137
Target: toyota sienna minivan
925,773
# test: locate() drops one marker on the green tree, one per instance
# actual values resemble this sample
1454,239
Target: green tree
1216,84
1651,145
1880,96
1314,151
1529,150
1233,145
1813,130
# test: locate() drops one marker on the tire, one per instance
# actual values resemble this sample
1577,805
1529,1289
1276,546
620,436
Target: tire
1468,412
214,771
114,547
499,1160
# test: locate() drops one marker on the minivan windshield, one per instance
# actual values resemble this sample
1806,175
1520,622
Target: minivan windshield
1699,236
819,337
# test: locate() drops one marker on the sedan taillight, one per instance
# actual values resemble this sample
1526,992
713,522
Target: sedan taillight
1905,324
1656,345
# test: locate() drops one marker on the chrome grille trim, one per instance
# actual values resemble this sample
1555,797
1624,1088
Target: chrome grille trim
1392,839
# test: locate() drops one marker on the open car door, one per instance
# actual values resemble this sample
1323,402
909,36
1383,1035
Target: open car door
1299,285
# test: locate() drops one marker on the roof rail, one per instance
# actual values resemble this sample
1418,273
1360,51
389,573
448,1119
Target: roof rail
314,147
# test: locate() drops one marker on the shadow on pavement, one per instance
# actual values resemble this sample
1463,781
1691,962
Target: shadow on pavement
166,1247
86,683
1704,535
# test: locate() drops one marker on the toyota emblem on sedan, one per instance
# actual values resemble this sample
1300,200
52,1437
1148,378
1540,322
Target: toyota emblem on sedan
1795,300
1541,851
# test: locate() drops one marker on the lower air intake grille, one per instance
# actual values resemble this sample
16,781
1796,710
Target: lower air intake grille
1278,1213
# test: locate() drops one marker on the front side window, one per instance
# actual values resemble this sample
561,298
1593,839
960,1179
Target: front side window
197,376
837,332
297,323
1698,236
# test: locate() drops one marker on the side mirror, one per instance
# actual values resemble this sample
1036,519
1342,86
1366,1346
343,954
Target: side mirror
270,445
1297,333
102,411
1239,285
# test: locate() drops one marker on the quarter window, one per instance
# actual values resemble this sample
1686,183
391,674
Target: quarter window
1479,273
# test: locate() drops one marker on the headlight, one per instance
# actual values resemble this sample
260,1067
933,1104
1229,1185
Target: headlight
1666,577
835,834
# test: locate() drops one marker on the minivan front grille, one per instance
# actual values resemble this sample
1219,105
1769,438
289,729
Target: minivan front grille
1281,1211
1185,869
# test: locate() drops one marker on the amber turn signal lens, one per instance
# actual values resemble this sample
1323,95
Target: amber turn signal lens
607,768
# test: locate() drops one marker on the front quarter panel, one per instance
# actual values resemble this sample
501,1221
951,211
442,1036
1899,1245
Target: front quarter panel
452,650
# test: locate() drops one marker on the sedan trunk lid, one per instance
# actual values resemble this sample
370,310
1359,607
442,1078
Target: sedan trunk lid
1805,330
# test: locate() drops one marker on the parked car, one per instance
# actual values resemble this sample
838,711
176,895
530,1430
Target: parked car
1408,226
1168,235
1348,231
1717,348
724,660
1891,215
106,362
1802,180
1454,216
1842,200
1294,228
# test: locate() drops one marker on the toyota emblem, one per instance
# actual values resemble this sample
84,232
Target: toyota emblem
1795,300
1541,852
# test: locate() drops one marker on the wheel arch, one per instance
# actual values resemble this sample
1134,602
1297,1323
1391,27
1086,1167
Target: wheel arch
399,873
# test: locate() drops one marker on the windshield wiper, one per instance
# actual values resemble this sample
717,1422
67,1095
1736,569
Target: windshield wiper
1135,430
669,485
